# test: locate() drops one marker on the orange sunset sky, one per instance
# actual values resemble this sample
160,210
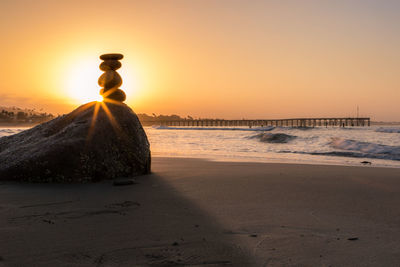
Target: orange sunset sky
225,59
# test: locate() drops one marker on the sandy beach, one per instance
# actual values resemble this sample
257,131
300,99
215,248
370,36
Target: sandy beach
202,213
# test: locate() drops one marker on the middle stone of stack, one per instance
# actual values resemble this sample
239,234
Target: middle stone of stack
110,80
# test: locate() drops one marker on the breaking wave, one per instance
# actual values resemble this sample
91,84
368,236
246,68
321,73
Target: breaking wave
274,137
364,149
388,130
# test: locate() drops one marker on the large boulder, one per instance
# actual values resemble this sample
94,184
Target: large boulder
96,141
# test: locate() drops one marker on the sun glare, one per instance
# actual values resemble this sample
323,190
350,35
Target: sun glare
82,82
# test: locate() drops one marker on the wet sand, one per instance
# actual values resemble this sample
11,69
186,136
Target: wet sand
202,213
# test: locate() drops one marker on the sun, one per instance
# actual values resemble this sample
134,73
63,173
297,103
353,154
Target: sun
82,81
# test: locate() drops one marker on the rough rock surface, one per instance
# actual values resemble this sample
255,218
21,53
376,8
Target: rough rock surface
78,148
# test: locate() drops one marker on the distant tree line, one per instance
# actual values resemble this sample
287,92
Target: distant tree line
20,116
149,120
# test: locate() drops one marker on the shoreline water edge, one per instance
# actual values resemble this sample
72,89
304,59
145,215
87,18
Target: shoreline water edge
375,146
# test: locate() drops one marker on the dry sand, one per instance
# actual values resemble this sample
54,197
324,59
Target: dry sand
196,212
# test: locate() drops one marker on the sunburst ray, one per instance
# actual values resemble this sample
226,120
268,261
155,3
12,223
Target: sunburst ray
113,121
109,92
93,123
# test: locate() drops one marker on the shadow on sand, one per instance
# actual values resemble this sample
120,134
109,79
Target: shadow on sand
148,223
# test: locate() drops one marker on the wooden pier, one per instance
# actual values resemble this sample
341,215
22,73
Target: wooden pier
298,122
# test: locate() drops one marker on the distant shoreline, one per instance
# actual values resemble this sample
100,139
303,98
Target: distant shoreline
16,125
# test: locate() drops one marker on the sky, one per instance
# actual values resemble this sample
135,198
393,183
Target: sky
218,59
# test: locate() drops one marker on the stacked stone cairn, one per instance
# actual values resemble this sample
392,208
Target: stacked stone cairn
110,80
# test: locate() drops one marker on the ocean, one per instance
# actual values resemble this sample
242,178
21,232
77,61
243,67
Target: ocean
351,146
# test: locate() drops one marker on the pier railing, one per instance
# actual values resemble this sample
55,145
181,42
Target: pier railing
297,122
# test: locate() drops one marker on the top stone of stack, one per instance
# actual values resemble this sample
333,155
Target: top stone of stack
111,57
